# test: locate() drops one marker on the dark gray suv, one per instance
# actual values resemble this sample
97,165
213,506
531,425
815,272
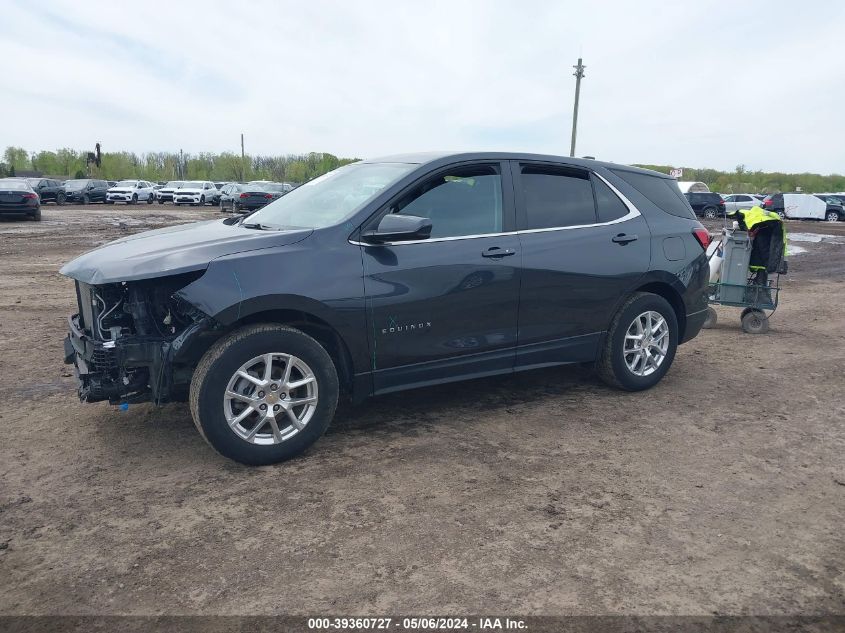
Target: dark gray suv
389,274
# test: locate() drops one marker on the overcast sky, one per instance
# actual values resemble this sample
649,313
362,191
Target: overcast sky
704,84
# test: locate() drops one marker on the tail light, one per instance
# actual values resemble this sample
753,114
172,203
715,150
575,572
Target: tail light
30,196
703,236
269,196
244,195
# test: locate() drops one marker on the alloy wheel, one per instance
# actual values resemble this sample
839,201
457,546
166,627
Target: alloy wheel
646,343
270,398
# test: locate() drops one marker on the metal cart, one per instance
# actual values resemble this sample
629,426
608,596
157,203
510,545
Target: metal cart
740,288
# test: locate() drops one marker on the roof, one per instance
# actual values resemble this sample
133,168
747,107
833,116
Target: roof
433,158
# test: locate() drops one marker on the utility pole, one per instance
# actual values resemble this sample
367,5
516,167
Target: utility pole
243,168
579,74
181,166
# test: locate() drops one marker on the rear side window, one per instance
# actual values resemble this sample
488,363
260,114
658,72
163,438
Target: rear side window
556,197
663,192
608,205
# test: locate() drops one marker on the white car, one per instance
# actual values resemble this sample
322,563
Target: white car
737,201
131,192
196,192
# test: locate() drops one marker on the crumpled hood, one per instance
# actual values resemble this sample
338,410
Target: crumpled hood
172,250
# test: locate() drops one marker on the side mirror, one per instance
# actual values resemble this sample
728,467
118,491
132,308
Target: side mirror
395,227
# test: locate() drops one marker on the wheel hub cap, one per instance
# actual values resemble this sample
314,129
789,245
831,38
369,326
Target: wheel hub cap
646,343
270,398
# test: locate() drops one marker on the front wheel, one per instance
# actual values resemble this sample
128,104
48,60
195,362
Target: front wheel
222,208
86,199
711,319
134,198
202,201
640,344
150,199
781,215
264,394
61,199
832,216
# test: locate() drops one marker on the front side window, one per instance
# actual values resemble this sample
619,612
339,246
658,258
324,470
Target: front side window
460,202
556,197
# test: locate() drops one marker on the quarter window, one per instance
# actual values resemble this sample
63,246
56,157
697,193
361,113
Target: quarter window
608,205
464,201
556,197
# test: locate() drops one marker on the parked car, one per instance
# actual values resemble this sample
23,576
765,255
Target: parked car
802,206
17,197
86,190
195,192
165,194
249,197
835,204
706,205
48,189
386,275
131,192
737,201
219,186
112,183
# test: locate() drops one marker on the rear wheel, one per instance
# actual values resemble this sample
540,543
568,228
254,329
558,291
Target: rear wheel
781,215
710,213
37,215
712,318
264,394
640,344
754,321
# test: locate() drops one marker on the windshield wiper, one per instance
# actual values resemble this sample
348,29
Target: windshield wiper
259,226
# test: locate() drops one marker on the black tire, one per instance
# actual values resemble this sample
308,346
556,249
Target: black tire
754,321
611,366
150,199
224,358
711,320
235,206
61,199
37,215
710,213
781,215
86,199
134,199
160,201
222,208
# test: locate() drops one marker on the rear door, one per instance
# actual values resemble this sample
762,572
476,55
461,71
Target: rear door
446,307
584,248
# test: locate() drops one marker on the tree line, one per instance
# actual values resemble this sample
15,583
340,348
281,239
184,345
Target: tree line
744,180
162,166
158,166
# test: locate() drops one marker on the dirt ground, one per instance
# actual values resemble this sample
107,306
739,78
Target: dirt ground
722,490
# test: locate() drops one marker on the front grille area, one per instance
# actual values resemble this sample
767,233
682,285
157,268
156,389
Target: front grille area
104,360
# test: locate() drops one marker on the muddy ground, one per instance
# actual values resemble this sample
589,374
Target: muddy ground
722,490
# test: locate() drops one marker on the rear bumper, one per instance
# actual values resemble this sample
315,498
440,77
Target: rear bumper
695,322
16,209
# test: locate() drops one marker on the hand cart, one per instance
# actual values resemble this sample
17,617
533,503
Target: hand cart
738,287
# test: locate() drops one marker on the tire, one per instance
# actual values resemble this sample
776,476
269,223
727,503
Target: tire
781,215
219,367
150,199
710,213
86,199
712,318
832,216
754,321
160,201
202,201
109,201
235,207
36,216
222,208
612,366
134,199
61,199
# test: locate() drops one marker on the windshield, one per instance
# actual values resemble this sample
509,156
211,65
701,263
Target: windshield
274,187
75,184
191,185
174,184
126,183
332,197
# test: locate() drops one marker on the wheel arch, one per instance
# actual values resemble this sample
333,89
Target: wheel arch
665,289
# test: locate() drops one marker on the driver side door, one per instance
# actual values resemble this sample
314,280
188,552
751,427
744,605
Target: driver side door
445,307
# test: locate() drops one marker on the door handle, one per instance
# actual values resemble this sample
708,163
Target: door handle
495,251
624,239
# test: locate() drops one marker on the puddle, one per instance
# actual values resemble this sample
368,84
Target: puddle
794,250
814,238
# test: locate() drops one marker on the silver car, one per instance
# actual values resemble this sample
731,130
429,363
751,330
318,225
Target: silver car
737,201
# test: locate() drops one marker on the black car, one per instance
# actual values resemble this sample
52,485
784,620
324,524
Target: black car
17,197
86,190
706,205
386,275
238,198
48,189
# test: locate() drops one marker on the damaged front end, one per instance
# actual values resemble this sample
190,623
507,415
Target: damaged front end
135,341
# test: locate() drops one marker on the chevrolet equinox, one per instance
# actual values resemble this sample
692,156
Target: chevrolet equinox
390,274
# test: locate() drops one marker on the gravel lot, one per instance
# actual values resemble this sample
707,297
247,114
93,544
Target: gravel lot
720,491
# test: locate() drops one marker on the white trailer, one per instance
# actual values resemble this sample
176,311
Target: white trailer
803,206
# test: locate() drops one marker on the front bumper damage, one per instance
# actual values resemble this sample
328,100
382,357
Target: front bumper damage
134,368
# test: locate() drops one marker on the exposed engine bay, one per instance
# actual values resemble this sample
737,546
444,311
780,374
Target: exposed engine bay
123,334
